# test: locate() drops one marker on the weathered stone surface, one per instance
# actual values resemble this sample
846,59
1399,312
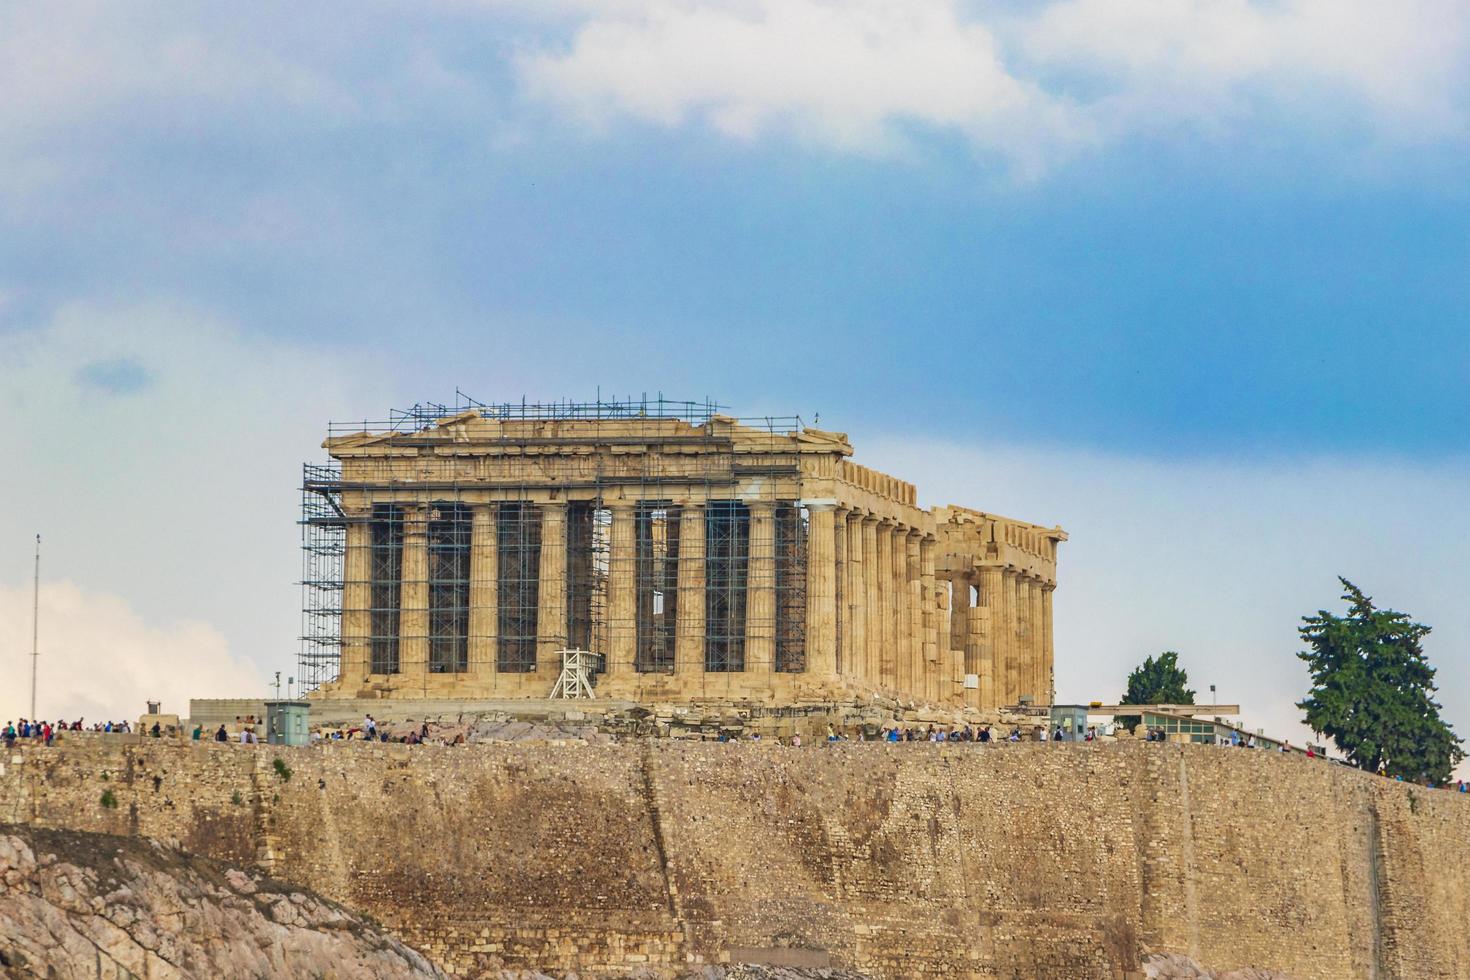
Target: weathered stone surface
894,861
92,905
1176,966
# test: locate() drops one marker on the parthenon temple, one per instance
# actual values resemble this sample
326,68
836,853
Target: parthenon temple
457,552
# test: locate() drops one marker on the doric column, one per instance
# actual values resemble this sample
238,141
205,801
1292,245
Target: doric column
897,599
413,623
1048,649
944,653
760,590
357,600
1040,692
1011,629
689,629
896,603
930,620
913,617
959,605
883,596
551,594
821,591
974,656
484,588
960,641
622,590
873,644
1019,611
993,645
1029,636
856,599
842,599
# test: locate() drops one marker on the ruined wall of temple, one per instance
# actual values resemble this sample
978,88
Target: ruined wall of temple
902,861
999,575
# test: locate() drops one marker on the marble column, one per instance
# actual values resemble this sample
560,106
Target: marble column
883,596
930,620
821,591
760,589
622,591
944,651
913,615
1010,629
413,602
897,602
1020,658
1040,690
844,597
974,654
842,603
551,593
484,589
873,618
993,647
357,600
959,601
1029,636
973,661
1048,650
959,618
689,631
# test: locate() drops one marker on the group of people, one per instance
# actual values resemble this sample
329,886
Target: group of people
41,730
46,731
984,733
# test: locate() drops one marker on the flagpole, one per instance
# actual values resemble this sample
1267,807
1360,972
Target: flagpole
35,625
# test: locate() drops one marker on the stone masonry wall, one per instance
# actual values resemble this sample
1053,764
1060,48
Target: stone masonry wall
911,860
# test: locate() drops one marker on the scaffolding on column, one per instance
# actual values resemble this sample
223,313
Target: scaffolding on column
323,552
371,534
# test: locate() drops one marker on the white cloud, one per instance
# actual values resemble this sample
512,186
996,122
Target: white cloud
1033,85
101,660
843,74
1219,559
1222,63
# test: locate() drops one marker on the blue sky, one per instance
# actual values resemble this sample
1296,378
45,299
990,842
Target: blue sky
1211,248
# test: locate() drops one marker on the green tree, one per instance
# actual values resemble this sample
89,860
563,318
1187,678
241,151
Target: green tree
1160,681
1372,690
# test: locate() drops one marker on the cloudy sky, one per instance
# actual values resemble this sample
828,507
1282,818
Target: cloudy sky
1189,277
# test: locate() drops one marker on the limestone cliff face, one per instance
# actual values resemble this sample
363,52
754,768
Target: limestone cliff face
897,862
93,905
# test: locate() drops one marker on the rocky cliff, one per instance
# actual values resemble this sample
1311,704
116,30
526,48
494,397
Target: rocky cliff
94,905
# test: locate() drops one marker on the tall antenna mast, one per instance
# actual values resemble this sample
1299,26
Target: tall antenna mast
35,625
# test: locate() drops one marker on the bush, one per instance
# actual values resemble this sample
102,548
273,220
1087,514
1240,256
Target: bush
108,800
282,770
236,798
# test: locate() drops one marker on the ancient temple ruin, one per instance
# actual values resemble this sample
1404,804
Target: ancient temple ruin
456,552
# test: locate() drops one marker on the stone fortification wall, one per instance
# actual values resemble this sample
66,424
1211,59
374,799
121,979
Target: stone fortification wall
900,861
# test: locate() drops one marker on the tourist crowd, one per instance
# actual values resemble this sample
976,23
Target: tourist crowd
46,731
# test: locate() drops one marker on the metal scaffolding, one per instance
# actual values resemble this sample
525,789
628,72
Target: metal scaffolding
477,602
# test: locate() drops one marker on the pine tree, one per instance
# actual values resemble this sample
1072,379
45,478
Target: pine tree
1372,690
1160,681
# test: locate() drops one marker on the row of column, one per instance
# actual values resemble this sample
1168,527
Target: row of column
1005,639
883,631
622,584
874,606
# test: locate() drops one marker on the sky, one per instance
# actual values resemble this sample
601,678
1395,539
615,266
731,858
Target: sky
1187,277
